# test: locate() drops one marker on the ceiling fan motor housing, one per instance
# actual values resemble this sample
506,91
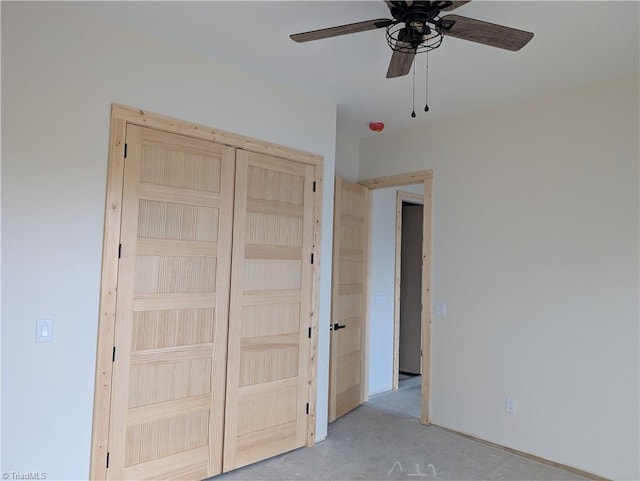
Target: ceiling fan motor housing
416,26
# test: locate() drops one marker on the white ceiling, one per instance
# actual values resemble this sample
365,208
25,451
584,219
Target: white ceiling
575,43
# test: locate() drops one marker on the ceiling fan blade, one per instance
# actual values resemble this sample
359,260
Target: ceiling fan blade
401,62
454,5
485,33
341,30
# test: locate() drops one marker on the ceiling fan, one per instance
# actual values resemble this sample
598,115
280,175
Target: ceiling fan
416,26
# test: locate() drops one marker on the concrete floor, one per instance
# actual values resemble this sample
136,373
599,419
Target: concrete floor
384,440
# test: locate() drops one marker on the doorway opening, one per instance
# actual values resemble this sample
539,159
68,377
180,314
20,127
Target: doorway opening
422,196
410,330
408,316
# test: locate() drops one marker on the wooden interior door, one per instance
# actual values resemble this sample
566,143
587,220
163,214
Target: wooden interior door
270,320
351,227
167,407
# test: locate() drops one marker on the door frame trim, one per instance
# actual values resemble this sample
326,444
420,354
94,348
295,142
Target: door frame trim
425,177
120,117
418,199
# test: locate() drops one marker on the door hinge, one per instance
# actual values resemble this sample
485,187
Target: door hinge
314,185
113,355
107,459
309,333
307,408
125,150
312,257
119,251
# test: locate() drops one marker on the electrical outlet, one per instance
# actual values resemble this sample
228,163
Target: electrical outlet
511,405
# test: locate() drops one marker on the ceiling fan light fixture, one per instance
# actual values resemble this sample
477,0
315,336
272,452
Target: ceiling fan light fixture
407,39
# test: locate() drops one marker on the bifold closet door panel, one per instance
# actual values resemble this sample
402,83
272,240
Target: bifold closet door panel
167,407
268,350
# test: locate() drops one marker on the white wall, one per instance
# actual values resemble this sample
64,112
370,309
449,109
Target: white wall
536,255
61,70
382,278
347,156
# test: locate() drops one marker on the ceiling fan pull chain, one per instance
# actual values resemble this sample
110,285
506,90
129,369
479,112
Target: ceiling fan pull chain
413,112
426,93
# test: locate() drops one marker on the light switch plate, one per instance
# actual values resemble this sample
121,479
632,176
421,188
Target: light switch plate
440,308
44,330
379,298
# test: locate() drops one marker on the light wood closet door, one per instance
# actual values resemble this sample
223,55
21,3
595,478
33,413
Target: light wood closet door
268,364
172,308
351,226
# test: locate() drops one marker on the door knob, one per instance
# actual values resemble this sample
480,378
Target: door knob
337,326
